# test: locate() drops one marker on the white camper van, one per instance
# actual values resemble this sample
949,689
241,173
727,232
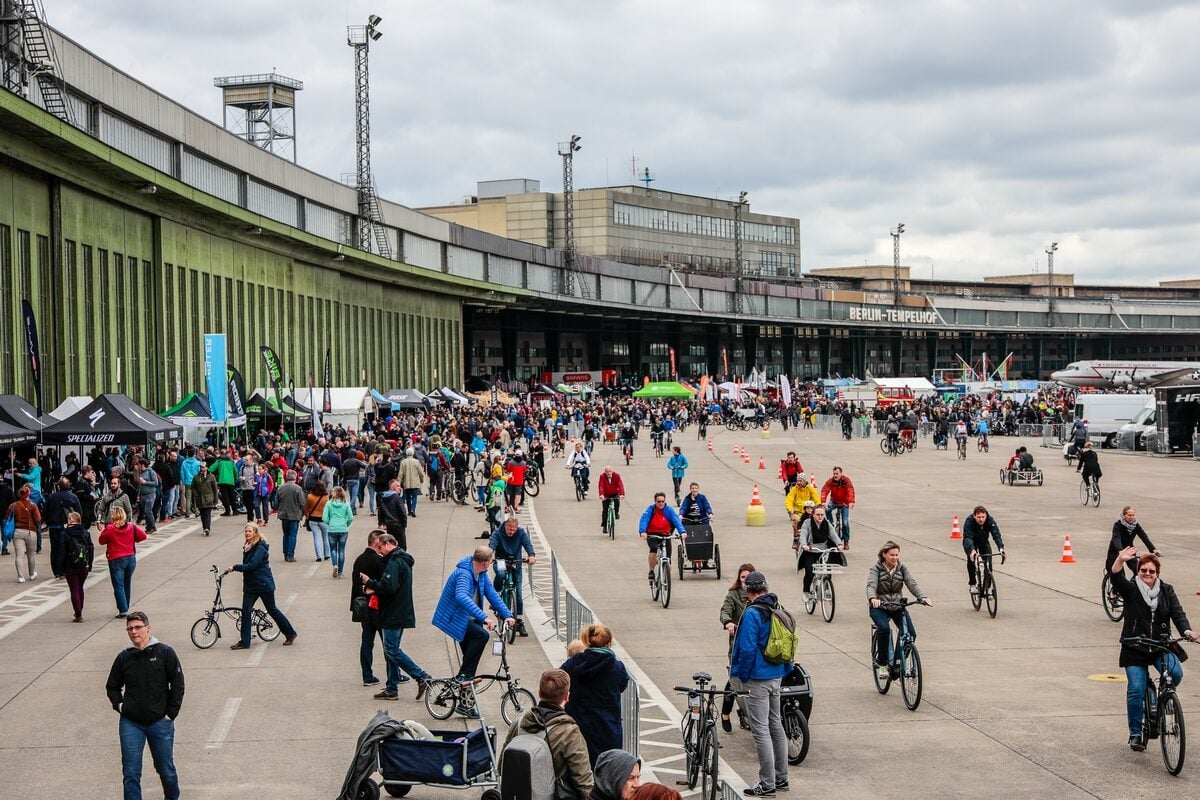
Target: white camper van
1106,413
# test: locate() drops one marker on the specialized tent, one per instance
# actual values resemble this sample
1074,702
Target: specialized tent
348,404
663,389
12,436
68,407
406,398
15,411
111,419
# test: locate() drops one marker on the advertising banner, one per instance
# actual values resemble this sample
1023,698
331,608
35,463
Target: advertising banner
215,378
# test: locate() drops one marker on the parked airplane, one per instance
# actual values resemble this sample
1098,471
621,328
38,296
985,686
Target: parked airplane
1108,374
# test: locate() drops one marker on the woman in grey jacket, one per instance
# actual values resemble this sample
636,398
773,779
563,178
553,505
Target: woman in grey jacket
886,582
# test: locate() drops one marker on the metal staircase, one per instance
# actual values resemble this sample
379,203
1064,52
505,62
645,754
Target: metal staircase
42,60
375,218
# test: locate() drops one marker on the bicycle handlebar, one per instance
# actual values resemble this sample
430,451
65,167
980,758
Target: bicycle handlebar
1153,642
710,692
904,602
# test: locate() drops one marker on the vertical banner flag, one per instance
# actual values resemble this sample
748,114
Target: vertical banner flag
671,351
214,375
31,347
312,406
327,404
725,361
273,372
785,391
237,395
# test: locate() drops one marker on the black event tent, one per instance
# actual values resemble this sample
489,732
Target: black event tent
12,436
407,398
111,419
15,411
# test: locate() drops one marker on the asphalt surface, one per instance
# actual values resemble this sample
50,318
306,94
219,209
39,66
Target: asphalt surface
1010,709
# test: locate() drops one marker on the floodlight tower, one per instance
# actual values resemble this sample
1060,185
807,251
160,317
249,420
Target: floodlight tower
736,303
1052,305
899,229
568,150
370,221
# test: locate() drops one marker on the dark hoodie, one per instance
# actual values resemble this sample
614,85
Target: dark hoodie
597,679
146,685
613,768
571,768
394,588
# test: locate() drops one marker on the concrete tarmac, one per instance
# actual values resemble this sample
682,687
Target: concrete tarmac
1008,708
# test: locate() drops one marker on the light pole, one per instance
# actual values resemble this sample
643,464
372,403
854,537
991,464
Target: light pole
736,304
360,37
899,229
567,150
1052,304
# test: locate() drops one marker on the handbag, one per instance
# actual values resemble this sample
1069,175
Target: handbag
10,527
358,608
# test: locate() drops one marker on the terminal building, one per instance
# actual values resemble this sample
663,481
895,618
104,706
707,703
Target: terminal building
134,226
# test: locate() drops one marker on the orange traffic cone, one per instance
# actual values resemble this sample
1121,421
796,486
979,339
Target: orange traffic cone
736,449
762,463
745,456
710,444
955,531
780,476
1067,556
756,498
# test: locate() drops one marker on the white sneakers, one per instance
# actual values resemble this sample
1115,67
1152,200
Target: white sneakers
20,580
33,577
882,672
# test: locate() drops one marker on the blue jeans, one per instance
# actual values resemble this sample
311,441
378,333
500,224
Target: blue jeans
291,528
352,495
161,738
370,496
1135,691
320,534
398,660
410,500
120,572
146,506
268,598
481,495
884,643
337,548
499,581
262,507
171,501
843,513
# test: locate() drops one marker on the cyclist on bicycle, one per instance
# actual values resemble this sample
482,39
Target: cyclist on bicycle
817,533
1079,435
628,434
982,430
976,529
800,495
612,490
579,462
1089,464
885,584
514,492
941,433
668,431
838,496
1150,607
656,432
908,429
892,430
658,520
792,468
960,435
507,543
1124,531
847,417
696,510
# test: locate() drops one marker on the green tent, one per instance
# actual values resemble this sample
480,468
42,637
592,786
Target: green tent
664,389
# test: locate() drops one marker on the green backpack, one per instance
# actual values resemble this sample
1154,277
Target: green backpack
782,638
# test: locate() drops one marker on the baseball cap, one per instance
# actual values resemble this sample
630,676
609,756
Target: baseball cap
755,582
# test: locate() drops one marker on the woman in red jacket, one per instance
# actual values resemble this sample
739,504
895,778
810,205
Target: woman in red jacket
120,537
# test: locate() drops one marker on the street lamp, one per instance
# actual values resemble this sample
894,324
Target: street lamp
1052,305
737,301
899,229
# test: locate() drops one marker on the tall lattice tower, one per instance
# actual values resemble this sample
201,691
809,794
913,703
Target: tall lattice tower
370,217
262,110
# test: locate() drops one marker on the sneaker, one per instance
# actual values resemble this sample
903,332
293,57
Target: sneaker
33,577
805,598
1136,744
206,532
650,576
782,786
335,572
20,580
758,790
469,713
974,590
386,695
422,687
881,672
403,679
370,681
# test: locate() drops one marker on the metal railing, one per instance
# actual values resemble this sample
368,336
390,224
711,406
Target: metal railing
577,616
631,717
729,791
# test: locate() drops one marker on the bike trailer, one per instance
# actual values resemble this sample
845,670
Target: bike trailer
699,543
797,687
450,759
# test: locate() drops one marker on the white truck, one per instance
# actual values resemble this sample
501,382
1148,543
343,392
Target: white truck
1106,413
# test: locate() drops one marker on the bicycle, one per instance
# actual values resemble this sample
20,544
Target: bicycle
962,448
905,665
909,443
1162,715
698,727
890,446
459,490
1114,604
508,596
207,630
658,444
736,423
1089,492
985,582
444,696
981,443
822,586
627,450
580,486
610,517
533,484
660,582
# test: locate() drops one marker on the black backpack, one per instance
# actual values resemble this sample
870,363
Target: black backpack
75,551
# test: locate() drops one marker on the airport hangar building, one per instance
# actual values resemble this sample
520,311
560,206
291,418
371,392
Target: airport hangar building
136,225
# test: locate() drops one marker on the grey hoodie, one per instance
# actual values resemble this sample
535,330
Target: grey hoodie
609,774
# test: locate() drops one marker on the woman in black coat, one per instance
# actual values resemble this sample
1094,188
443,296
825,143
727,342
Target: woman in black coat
257,581
597,679
1151,605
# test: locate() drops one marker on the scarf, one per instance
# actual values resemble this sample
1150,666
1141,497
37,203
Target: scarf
1148,594
1129,526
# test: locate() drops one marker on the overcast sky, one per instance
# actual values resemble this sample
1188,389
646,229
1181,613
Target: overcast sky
989,128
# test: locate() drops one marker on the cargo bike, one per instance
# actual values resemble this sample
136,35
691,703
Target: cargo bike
698,552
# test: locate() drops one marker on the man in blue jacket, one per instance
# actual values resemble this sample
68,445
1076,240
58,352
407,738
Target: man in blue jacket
762,680
508,543
459,612
658,520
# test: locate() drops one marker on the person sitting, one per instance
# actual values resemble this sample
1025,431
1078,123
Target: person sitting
696,509
1026,459
572,771
1015,461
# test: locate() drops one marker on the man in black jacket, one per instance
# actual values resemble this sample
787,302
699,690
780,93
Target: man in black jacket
369,563
393,513
396,613
145,686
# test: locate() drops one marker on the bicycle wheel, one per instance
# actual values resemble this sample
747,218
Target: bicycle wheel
717,559
1171,734
710,784
881,684
205,632
578,490
265,627
883,446
827,599
691,754
509,596
458,491
440,698
1084,494
810,601
1114,607
655,586
795,725
679,558
977,595
1095,494
515,703
989,594
532,487
610,523
664,596
910,677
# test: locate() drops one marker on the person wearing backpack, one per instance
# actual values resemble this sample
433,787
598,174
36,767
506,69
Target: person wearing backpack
544,756
762,654
78,555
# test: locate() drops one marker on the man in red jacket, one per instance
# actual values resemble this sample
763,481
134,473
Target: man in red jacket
838,493
611,490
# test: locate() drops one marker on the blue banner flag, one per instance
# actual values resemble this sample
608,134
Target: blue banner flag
214,373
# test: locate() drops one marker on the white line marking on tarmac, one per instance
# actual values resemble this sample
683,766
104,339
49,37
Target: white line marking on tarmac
24,607
663,760
256,656
313,569
216,739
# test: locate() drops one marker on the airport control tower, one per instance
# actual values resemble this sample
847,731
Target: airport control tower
262,110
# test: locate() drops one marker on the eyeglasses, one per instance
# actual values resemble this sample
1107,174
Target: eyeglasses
1147,572
660,502
131,628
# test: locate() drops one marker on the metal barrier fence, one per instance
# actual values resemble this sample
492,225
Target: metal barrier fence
728,792
631,718
577,616
556,597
